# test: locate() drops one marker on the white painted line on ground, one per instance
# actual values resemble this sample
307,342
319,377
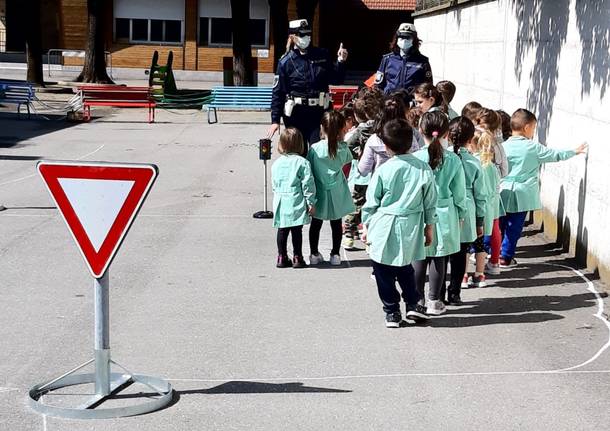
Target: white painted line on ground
16,180
3,389
569,370
599,315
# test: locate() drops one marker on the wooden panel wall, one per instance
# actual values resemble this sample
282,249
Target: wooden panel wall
73,15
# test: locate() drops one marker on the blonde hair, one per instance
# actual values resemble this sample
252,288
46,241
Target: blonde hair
484,143
291,142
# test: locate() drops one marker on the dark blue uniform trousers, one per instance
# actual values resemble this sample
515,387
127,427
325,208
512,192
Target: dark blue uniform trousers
386,277
307,120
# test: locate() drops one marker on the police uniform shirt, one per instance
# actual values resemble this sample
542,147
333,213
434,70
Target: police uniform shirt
303,75
397,72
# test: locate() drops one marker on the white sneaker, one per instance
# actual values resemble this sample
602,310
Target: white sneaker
335,260
316,259
492,268
435,308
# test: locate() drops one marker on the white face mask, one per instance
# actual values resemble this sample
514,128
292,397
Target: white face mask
302,42
404,44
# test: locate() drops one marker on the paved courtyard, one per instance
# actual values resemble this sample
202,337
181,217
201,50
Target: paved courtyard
196,298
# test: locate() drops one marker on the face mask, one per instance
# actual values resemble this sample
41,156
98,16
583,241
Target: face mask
302,42
404,44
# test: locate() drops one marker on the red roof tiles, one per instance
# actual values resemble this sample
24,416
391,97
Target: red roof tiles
390,4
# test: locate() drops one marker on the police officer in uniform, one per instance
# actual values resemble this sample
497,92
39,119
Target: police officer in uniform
405,67
300,88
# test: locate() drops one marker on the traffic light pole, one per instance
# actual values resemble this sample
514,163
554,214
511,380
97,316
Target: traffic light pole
264,155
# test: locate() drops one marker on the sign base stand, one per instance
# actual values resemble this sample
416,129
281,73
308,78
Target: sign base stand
89,409
107,384
263,214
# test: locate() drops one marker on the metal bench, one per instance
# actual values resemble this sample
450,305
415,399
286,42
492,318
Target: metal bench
242,98
17,93
341,94
118,96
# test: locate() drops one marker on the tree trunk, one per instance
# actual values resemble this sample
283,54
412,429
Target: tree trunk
306,10
279,28
33,43
242,47
94,69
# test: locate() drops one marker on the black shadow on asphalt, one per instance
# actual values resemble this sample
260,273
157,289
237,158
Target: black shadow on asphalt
15,130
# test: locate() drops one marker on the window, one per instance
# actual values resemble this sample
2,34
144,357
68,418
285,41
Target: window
139,30
122,29
148,30
219,32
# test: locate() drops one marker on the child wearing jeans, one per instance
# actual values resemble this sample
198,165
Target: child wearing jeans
398,216
520,189
293,197
333,198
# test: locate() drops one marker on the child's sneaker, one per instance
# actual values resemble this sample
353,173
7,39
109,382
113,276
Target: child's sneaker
283,262
479,281
316,259
506,263
492,268
335,260
417,313
435,308
392,320
298,262
465,282
348,242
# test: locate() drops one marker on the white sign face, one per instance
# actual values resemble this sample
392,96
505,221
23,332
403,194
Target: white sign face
98,202
262,53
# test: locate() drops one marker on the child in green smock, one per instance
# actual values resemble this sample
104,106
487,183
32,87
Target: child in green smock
461,133
450,209
293,197
398,216
520,190
333,198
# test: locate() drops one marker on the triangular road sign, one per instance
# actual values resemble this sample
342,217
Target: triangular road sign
99,202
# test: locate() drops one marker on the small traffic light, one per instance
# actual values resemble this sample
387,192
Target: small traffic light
264,147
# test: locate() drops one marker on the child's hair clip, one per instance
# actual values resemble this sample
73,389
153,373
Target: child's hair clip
435,134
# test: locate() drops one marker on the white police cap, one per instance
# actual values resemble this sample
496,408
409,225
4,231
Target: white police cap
405,29
300,26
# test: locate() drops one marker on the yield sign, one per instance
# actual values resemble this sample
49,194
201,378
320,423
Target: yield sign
99,202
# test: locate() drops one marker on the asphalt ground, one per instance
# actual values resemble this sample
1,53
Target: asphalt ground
196,298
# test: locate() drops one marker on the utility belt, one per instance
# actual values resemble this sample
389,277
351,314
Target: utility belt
322,101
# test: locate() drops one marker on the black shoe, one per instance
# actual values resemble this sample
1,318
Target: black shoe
298,262
392,320
283,262
417,313
455,300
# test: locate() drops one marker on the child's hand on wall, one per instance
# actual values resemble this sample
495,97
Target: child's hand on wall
582,148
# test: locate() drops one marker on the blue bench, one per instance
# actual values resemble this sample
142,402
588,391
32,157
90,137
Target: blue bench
17,93
242,98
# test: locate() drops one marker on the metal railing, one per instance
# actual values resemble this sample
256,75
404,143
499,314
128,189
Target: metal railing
427,4
80,53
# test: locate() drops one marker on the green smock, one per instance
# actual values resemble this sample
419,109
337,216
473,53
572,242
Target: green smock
333,198
494,204
520,189
451,206
400,201
293,190
476,195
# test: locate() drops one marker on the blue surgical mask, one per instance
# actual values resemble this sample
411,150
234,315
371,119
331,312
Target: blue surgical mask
404,44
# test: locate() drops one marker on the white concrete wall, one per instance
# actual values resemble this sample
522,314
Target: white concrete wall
553,58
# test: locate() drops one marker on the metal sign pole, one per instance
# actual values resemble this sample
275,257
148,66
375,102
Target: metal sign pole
102,335
265,185
264,155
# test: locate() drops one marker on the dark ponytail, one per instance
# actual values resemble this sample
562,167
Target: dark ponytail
461,131
393,109
434,125
333,124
